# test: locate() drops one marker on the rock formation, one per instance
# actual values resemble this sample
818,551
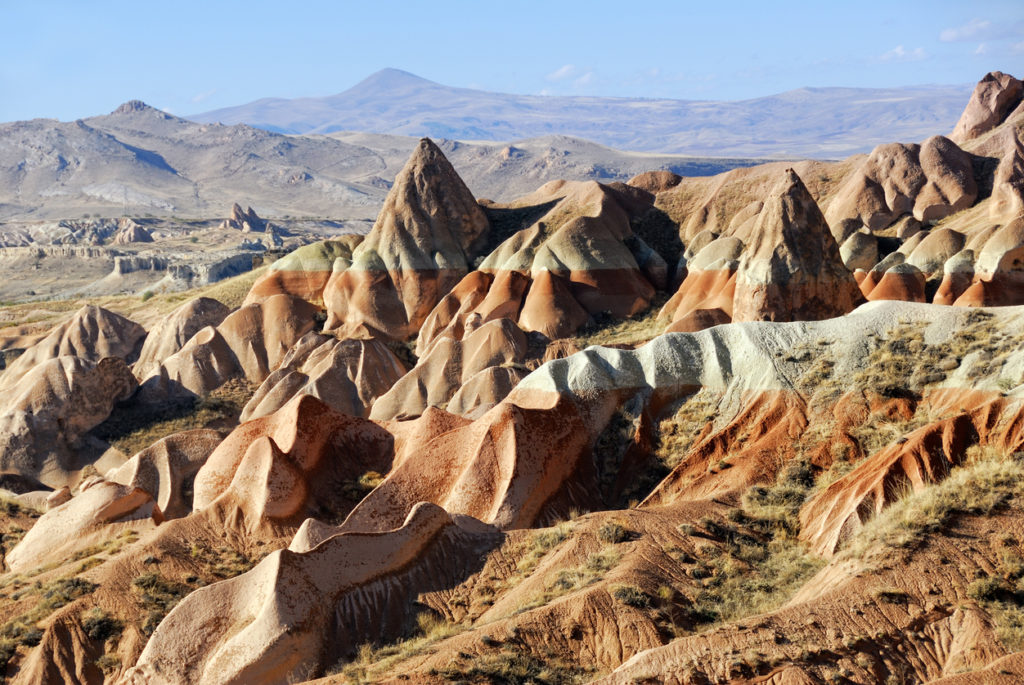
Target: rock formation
994,98
92,334
422,244
47,412
244,220
176,329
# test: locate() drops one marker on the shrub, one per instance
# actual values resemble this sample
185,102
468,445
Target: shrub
613,532
99,626
631,595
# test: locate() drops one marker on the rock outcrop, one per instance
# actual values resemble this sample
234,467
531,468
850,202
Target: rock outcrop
92,334
929,181
421,245
244,220
167,468
304,273
792,269
129,232
46,413
176,329
264,626
347,375
82,521
251,343
994,98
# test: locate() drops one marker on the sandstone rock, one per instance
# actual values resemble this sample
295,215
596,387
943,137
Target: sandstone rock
281,468
655,181
958,274
176,329
244,220
929,181
1008,184
92,334
167,468
903,282
74,524
294,611
44,415
934,250
995,96
421,245
451,363
129,232
792,268
348,375
304,273
251,342
859,251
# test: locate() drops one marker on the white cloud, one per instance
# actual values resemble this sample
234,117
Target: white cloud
982,49
975,28
562,73
199,97
1017,48
901,54
585,80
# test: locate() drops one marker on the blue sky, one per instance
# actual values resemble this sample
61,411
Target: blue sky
75,59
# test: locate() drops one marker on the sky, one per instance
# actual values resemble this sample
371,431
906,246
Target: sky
74,59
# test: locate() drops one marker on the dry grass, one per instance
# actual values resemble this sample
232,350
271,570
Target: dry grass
677,433
371,663
977,488
513,664
573,579
626,333
23,629
134,427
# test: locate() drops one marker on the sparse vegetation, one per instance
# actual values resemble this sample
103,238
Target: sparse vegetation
613,532
631,595
23,629
513,664
134,427
570,580
370,661
156,596
976,488
628,333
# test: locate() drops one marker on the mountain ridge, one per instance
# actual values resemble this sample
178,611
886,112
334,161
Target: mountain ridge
819,122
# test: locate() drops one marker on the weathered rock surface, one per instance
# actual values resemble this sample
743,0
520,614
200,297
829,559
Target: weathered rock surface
167,469
47,412
421,245
83,520
930,181
348,375
251,343
92,334
176,329
995,96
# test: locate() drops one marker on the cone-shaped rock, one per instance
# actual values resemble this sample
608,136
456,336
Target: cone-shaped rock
419,248
792,268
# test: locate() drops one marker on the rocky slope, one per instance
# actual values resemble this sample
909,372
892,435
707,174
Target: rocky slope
795,458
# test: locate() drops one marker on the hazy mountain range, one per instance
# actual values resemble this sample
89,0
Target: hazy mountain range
809,122
139,160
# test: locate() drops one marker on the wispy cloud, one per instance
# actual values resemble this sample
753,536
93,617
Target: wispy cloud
1017,48
585,80
562,73
199,97
972,30
982,49
901,54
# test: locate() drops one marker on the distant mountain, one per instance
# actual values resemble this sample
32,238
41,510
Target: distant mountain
809,122
138,160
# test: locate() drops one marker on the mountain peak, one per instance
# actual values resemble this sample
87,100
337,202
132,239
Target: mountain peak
133,106
391,79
